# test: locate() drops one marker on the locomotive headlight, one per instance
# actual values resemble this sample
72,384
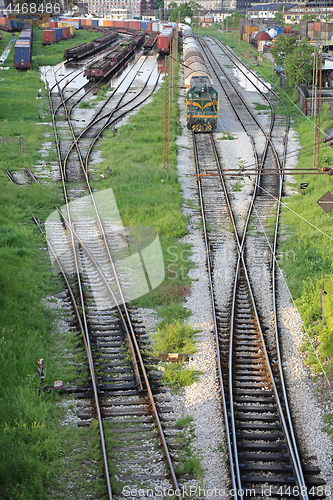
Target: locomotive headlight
190,96
214,96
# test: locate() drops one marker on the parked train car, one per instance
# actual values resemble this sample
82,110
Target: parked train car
23,49
86,49
164,40
202,102
111,62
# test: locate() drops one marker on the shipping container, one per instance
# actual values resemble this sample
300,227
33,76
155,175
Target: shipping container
53,24
279,30
163,42
66,32
89,22
94,22
155,27
149,26
101,22
49,36
58,32
22,54
136,25
287,28
125,24
119,24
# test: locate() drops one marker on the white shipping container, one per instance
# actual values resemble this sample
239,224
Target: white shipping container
155,26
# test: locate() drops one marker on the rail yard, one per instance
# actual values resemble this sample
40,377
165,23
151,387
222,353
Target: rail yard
250,424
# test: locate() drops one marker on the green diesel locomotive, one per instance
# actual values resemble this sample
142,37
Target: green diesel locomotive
202,105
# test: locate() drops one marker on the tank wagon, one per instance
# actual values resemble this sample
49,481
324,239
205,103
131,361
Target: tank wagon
23,49
202,103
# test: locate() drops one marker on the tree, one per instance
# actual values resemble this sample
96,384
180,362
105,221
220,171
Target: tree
186,9
278,18
282,46
309,17
298,65
159,4
233,18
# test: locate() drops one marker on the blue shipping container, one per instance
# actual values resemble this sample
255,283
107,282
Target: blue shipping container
25,36
280,30
59,33
22,53
144,25
94,22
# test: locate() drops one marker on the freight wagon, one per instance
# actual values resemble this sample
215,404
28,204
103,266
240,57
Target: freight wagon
56,34
163,41
23,50
86,49
114,60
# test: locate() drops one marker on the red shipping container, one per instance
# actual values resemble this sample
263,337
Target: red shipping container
149,26
317,26
2,21
53,24
49,36
125,24
66,32
119,24
163,42
136,25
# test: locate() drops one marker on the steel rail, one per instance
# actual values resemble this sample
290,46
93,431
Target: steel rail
138,352
85,323
294,453
109,116
102,276
280,168
241,263
211,287
273,273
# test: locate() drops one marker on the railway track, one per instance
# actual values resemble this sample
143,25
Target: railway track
124,393
263,449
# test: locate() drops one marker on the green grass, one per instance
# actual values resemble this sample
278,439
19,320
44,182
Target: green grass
39,457
189,462
176,375
47,55
176,337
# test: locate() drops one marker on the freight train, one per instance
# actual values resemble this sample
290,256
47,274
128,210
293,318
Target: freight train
202,102
164,39
23,49
86,49
112,61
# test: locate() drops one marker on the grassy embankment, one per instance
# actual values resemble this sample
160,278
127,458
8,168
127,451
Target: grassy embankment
306,253
33,443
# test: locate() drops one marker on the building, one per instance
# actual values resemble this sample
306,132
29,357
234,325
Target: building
296,14
268,10
119,9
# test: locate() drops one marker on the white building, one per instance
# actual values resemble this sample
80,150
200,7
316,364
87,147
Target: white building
114,8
